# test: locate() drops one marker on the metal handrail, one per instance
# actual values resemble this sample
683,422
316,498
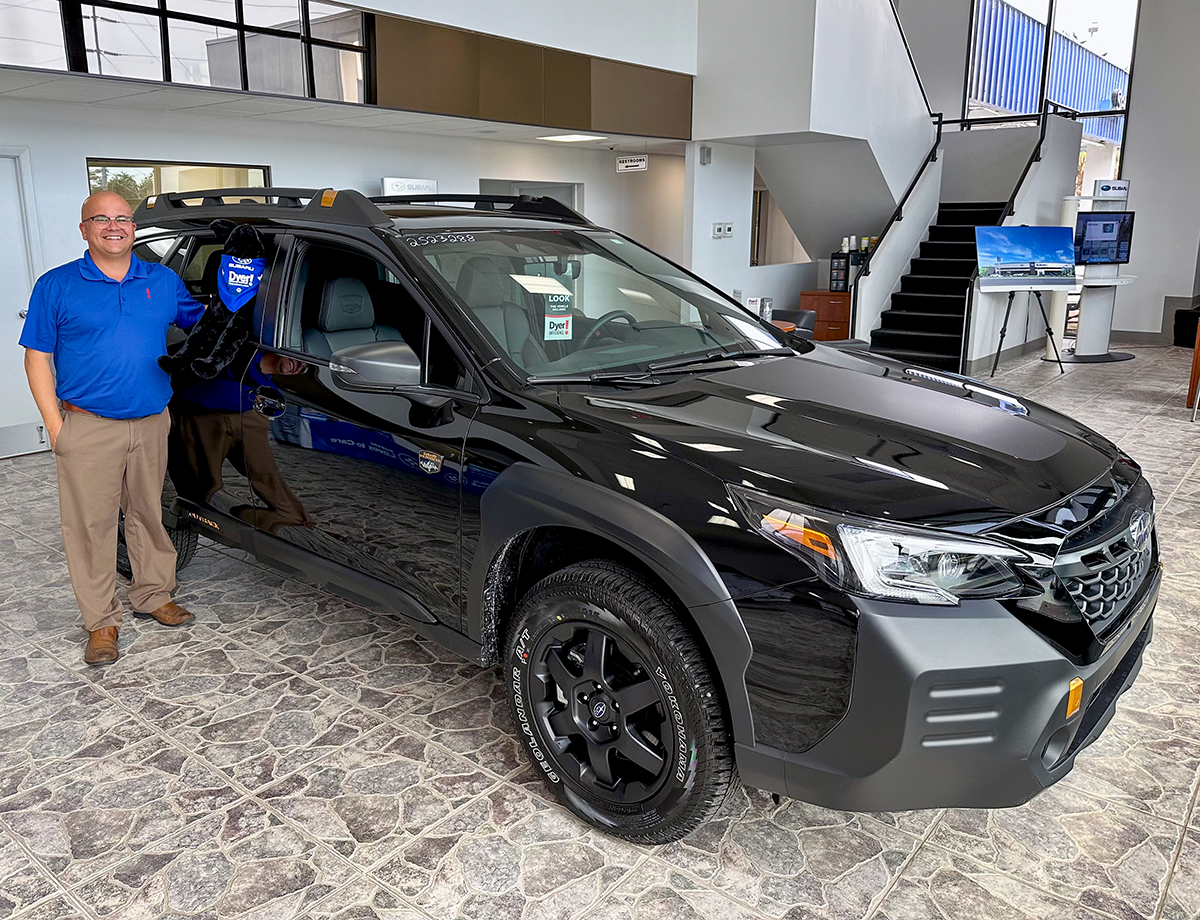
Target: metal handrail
1034,157
966,329
897,215
911,59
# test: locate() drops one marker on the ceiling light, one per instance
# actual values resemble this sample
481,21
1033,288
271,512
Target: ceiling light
574,138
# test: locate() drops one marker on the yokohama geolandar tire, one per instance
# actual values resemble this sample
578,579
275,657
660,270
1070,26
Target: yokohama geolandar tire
183,537
615,704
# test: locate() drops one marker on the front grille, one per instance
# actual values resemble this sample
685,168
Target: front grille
1113,573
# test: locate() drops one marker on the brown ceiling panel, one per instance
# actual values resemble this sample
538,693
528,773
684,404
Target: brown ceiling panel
510,80
426,68
567,89
628,99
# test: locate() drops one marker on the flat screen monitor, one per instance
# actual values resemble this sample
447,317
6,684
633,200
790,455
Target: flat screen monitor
1102,237
1025,258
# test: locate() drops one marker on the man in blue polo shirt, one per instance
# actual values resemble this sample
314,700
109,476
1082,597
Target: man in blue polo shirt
103,319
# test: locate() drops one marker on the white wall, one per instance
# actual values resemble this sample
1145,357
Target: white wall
984,164
863,86
896,249
1159,160
660,34
719,192
61,136
938,33
1039,203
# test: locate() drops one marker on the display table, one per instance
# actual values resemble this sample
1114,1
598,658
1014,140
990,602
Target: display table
1095,318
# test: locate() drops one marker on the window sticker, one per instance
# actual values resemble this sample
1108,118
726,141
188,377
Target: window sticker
558,315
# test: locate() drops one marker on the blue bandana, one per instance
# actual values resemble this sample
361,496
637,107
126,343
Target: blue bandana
237,280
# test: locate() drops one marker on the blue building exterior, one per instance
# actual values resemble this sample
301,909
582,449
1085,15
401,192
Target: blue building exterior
1007,67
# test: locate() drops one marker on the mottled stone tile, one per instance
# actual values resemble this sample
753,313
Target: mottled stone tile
169,677
396,672
306,636
28,675
1141,767
1093,853
472,718
794,858
654,891
508,854
243,862
267,734
937,885
369,798
79,823
22,884
1183,893
364,899
60,908
24,768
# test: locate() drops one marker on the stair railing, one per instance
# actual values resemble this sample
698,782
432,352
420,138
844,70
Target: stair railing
897,215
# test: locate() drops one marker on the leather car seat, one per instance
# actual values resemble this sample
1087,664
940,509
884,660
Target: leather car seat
491,294
347,318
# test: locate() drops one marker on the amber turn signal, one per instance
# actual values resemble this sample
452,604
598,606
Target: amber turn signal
805,536
1075,697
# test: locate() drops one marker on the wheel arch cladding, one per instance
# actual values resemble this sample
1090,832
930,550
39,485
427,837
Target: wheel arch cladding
526,497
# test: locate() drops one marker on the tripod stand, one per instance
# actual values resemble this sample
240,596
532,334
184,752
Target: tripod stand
1004,331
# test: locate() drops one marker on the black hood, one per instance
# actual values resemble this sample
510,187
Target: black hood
852,433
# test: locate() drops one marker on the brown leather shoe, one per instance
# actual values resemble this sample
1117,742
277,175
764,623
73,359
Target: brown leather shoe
101,646
169,614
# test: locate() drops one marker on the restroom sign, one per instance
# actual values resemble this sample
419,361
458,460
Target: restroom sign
633,164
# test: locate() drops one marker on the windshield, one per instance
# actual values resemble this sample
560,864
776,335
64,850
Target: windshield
571,301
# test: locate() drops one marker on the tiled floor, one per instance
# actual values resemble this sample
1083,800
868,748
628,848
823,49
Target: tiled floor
292,755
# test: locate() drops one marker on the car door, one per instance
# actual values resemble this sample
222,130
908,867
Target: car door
375,474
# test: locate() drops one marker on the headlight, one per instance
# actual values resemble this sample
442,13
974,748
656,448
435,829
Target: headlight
884,560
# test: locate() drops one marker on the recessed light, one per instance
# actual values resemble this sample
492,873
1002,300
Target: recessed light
574,138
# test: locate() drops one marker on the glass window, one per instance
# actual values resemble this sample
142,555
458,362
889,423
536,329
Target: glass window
204,55
275,65
274,14
338,73
122,44
134,181
31,34
579,301
335,23
1006,57
213,9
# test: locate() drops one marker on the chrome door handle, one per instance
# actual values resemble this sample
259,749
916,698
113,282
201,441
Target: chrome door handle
21,314
269,403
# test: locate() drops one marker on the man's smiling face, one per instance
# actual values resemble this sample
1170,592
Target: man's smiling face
110,239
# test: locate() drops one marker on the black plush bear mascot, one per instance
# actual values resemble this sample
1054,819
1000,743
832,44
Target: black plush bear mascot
216,338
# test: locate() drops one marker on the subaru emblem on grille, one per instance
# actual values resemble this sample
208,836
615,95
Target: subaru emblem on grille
1139,530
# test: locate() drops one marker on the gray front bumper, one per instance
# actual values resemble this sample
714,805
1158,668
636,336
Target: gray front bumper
954,707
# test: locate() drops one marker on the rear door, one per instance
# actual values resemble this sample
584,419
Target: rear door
375,475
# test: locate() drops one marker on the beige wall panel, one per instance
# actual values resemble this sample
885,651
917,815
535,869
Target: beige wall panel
510,80
628,99
427,68
567,89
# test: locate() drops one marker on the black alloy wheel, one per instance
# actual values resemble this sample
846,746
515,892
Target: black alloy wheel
615,704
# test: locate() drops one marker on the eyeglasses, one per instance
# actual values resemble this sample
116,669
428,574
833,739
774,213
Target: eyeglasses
121,221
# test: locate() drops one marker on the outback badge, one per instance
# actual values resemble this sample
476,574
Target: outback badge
430,462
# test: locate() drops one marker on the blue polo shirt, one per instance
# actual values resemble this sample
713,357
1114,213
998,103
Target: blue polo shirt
106,335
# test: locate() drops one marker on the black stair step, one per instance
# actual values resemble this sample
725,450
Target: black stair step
920,358
938,343
952,233
951,268
920,302
975,217
933,284
972,205
948,249
913,321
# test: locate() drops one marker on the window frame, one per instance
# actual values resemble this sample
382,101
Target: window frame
76,54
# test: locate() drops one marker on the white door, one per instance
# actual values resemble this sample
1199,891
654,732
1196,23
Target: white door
21,429
563,192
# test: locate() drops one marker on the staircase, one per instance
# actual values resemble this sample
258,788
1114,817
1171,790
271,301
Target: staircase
925,323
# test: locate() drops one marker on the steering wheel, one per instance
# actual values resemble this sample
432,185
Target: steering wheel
604,321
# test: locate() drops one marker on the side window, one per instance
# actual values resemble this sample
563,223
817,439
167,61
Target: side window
154,250
340,298
200,270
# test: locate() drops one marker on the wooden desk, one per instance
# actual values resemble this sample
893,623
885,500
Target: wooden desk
1194,380
833,313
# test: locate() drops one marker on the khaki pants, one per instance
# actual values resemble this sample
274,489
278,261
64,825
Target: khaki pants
105,464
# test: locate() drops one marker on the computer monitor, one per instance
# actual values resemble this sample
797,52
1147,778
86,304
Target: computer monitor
1102,237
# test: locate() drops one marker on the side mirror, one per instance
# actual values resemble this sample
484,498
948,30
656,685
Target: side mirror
377,364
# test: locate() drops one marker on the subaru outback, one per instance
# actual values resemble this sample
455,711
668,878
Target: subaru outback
698,549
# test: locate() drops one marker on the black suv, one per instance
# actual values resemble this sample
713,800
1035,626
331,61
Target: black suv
697,547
